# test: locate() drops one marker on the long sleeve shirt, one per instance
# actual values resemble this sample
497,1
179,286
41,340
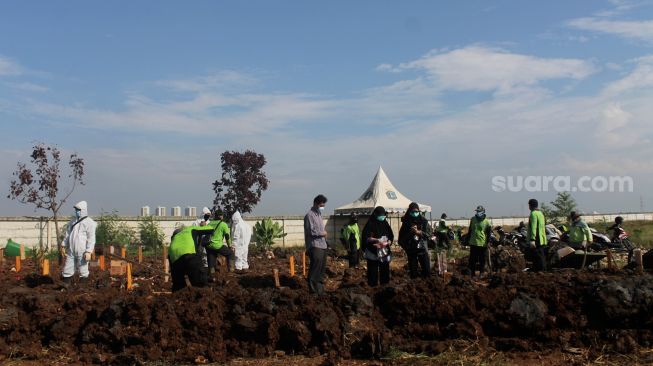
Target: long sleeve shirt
314,229
536,231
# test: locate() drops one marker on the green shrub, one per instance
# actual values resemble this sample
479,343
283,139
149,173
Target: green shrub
111,231
150,233
266,231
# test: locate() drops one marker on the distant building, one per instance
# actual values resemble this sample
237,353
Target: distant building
191,211
160,211
175,211
145,211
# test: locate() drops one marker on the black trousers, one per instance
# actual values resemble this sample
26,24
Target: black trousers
477,255
377,271
418,258
539,258
212,256
353,254
316,268
188,265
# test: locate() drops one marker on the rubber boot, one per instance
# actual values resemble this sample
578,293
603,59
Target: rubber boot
67,281
83,280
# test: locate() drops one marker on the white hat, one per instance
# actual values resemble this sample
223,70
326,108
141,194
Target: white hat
206,211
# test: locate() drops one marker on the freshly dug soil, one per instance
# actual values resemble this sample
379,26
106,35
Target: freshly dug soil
245,315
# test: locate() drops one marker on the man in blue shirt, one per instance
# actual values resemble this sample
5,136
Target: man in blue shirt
316,245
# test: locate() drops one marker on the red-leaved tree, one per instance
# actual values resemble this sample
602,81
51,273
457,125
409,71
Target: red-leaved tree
242,183
39,183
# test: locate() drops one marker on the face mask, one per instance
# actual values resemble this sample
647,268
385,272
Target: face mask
380,218
206,217
78,213
321,209
480,215
414,213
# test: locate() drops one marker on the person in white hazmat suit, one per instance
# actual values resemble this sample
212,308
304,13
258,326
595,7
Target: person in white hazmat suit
205,219
78,243
242,233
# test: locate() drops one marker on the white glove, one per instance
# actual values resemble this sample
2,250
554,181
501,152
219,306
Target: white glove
532,244
87,256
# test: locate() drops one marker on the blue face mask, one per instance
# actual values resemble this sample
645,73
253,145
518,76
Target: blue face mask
414,213
381,218
78,213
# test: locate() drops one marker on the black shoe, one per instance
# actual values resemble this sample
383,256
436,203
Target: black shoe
83,280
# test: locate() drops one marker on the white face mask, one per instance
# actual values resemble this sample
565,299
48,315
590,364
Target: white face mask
321,209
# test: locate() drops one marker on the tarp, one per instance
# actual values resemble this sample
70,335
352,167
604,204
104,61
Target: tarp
381,192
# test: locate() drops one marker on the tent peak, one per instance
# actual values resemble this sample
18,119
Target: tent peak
381,192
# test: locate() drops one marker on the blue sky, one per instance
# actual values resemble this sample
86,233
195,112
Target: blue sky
443,95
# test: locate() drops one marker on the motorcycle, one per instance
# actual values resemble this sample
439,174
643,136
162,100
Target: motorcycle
621,237
552,233
620,242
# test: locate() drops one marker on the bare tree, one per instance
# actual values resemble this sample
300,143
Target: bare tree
39,183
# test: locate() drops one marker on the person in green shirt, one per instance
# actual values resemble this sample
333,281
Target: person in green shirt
216,246
184,259
479,235
442,231
537,236
351,238
580,235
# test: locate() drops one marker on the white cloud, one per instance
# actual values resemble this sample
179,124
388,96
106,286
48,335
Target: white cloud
619,7
611,126
640,77
219,80
205,114
632,29
29,87
9,67
481,68
387,68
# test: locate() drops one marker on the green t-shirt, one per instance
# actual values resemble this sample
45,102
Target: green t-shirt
221,231
579,232
183,242
351,229
442,227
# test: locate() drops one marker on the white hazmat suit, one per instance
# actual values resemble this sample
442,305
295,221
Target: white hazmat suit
242,234
79,240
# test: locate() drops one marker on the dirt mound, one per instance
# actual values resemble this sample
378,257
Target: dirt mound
246,316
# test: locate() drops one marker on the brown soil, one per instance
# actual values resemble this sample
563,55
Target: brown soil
244,315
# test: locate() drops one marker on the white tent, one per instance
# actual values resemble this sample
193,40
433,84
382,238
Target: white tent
381,192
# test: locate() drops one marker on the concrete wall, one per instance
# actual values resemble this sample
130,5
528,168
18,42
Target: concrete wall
25,230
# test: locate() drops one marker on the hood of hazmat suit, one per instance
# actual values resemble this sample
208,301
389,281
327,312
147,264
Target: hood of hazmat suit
80,232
